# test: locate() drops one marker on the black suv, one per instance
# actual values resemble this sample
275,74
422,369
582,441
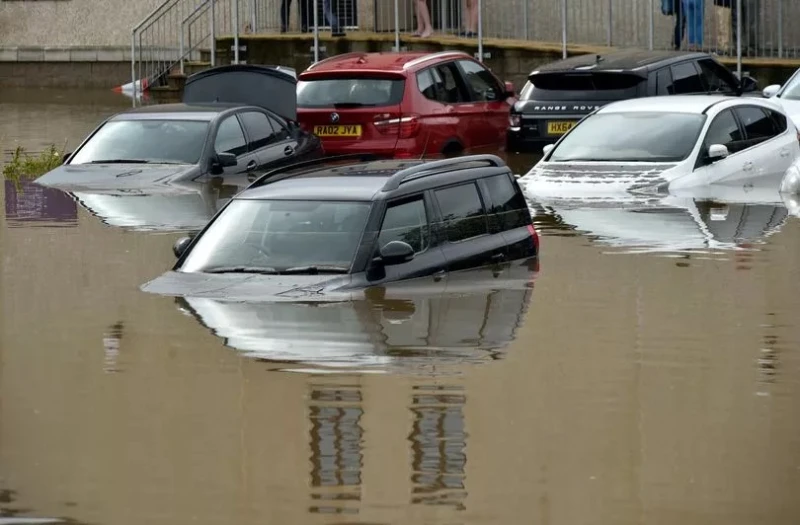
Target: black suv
559,94
355,221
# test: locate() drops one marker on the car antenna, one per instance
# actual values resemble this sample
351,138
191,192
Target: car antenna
425,149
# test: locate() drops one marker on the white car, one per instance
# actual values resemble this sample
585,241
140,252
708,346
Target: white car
787,95
666,143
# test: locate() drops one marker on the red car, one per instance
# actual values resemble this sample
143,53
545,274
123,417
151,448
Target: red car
404,104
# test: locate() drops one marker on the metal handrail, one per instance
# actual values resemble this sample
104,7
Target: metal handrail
193,16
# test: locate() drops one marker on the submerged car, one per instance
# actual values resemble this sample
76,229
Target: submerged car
320,228
557,95
656,144
233,119
405,104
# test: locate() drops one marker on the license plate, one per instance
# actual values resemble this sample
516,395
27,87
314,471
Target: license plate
559,127
338,131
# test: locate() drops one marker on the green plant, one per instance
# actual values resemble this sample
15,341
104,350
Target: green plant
30,165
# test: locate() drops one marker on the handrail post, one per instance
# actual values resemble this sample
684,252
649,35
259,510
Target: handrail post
181,47
236,31
213,34
133,64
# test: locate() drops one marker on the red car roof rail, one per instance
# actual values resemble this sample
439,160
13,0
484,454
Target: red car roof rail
424,169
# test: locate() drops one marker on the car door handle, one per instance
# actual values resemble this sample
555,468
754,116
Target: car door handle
438,275
288,150
251,165
784,152
747,166
498,257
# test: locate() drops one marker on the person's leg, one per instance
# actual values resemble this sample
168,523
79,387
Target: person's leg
680,24
333,19
285,6
424,27
305,9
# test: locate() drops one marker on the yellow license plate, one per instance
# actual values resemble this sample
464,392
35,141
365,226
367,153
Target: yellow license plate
559,127
338,131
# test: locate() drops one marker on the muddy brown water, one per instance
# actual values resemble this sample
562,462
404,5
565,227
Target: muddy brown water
628,386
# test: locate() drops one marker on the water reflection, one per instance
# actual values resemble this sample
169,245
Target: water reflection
336,457
723,220
380,333
28,204
438,442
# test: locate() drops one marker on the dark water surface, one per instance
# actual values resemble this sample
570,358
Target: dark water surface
649,376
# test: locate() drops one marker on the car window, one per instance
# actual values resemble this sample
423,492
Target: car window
353,91
686,79
462,212
480,81
280,130
779,120
585,86
426,85
259,129
724,130
230,138
452,91
664,82
509,209
758,126
147,139
406,221
715,75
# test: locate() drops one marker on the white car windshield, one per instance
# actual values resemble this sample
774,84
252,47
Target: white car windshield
631,137
792,89
147,140
277,236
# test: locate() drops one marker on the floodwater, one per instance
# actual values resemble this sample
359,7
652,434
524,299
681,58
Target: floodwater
650,376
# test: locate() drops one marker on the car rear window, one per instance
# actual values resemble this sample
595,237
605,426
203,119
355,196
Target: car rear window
582,86
349,92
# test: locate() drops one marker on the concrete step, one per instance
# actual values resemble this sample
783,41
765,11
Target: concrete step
190,68
176,81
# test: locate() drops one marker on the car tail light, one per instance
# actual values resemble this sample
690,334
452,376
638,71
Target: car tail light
534,236
405,126
514,120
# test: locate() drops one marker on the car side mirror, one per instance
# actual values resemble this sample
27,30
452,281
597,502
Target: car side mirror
771,90
396,252
180,246
65,157
509,87
226,160
547,149
717,152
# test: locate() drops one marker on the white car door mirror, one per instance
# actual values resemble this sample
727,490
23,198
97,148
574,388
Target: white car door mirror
717,152
547,149
771,90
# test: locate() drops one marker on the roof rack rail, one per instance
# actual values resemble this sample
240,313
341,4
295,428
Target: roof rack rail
431,56
401,176
266,177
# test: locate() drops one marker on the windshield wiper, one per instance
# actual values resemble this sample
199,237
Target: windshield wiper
313,270
120,161
243,269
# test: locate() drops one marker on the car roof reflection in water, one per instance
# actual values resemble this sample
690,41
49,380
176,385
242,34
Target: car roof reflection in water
384,332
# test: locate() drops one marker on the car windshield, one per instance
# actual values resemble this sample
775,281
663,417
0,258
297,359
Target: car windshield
792,89
155,141
349,92
276,236
631,137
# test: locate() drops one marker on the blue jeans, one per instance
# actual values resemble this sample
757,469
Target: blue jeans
333,20
693,11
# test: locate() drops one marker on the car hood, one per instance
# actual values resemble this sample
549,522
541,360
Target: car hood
76,177
586,179
251,287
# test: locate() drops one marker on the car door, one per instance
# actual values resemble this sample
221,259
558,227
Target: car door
469,113
407,219
464,224
229,138
771,150
488,92
725,130
267,139
509,215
